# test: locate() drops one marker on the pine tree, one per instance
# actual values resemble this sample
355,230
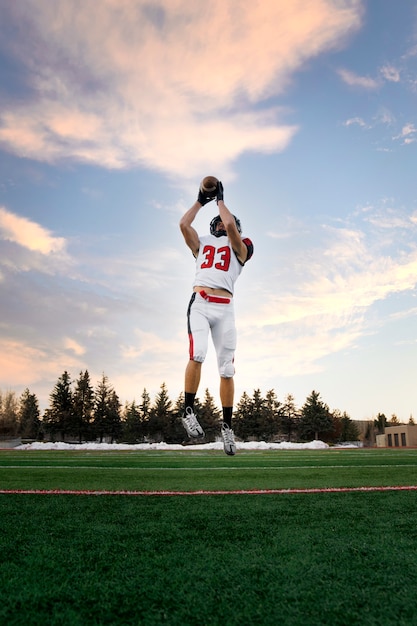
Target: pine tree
29,416
380,423
270,418
102,399
160,415
258,417
349,430
209,417
114,421
315,417
58,417
289,416
83,403
145,411
132,423
175,432
243,417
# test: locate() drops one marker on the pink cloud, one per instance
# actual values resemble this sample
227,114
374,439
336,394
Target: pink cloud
165,81
28,234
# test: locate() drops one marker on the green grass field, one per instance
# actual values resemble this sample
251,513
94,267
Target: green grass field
293,558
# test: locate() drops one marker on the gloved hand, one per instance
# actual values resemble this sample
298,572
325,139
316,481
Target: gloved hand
219,192
203,198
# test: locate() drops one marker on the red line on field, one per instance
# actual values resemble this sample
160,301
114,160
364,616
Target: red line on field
236,492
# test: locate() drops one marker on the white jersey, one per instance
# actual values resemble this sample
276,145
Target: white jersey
217,265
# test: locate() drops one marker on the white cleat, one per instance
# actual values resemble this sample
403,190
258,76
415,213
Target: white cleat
228,436
191,424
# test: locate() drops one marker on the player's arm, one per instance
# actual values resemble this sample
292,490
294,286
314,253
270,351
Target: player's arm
188,231
233,234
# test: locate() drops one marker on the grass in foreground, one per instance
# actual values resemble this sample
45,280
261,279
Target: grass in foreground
311,559
332,559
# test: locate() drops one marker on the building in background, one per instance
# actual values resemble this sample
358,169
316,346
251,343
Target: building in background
400,436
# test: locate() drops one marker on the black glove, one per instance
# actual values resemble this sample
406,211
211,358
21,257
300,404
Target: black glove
203,198
219,191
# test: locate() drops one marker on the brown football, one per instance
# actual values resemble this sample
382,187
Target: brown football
208,185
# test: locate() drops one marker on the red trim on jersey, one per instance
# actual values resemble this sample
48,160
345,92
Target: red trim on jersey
248,243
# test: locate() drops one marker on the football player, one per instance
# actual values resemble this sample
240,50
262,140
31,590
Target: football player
220,257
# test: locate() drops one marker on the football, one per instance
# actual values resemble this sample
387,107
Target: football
208,185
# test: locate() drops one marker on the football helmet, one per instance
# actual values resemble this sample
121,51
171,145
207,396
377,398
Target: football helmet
222,233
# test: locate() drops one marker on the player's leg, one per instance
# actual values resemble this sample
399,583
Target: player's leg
227,394
191,383
192,378
224,339
198,329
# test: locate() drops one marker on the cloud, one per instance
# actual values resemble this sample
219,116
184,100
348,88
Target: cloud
354,80
331,295
74,346
160,88
356,121
30,363
28,234
382,117
390,73
408,134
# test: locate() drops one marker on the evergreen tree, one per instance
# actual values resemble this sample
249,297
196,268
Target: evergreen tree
259,411
349,430
175,432
160,415
243,417
380,423
145,412
270,417
255,417
289,417
335,431
29,415
132,423
114,420
83,403
59,416
315,417
209,417
102,401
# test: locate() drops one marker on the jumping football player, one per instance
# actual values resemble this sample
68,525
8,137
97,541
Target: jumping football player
220,258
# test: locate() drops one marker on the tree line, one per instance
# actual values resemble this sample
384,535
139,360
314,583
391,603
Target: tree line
78,411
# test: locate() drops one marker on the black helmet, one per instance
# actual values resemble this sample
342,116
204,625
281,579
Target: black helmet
221,233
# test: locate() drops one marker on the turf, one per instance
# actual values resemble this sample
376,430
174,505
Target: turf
190,470
328,558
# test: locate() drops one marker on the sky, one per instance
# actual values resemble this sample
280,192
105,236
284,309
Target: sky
111,113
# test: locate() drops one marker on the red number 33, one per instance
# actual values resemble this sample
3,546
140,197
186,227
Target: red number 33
219,258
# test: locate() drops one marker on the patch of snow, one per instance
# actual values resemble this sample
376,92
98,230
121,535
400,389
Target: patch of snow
249,445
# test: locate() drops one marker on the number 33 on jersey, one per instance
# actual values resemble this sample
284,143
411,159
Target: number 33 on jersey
217,265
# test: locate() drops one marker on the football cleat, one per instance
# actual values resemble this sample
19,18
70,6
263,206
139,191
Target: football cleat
191,424
228,437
